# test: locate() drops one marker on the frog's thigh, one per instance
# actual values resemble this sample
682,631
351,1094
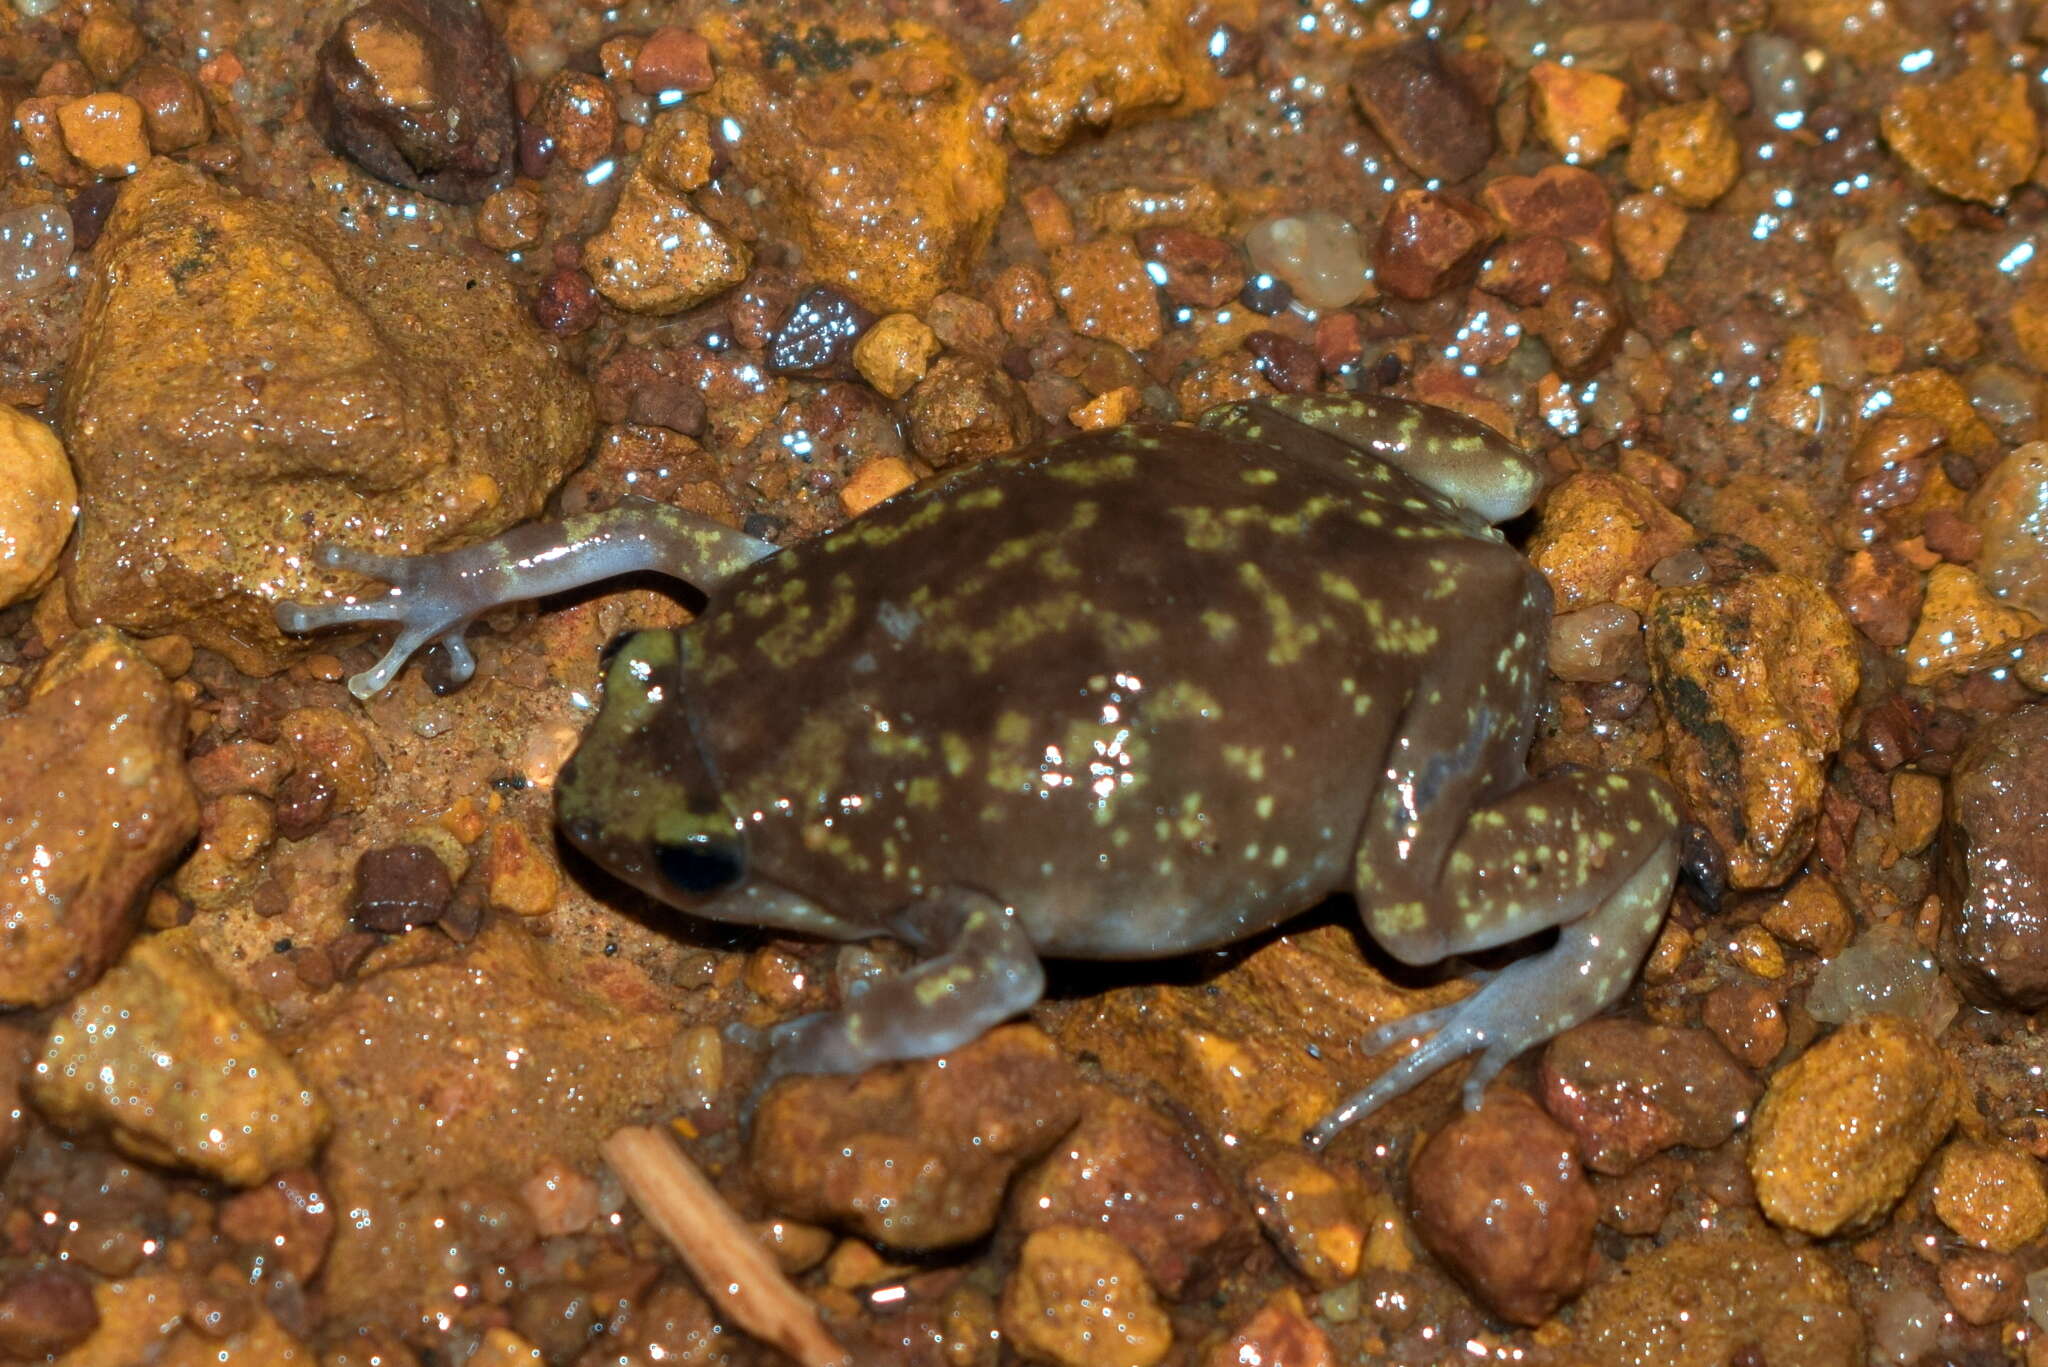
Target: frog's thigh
1545,855
1595,853
983,970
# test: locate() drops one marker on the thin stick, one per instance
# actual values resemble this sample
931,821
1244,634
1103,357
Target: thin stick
739,1275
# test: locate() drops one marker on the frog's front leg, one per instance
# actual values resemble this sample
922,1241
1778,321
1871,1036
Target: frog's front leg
1593,853
981,971
435,597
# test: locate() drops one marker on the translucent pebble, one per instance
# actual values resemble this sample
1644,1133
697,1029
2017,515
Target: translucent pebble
2037,1297
1874,265
1884,972
1319,256
35,9
35,248
2005,398
1778,80
1906,1327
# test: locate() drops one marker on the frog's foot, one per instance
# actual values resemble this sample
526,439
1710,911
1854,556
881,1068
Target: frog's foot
984,972
423,601
434,598
1528,1002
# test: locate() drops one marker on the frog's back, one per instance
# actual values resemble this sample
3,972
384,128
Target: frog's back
1135,685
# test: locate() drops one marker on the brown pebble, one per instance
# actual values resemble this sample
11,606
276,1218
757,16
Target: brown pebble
818,336
105,133
1983,1287
1688,151
419,93
673,59
1638,1202
288,1220
109,43
305,800
1748,1019
578,112
1628,1089
1524,272
1201,271
511,219
1187,1231
1845,1127
1427,241
966,409
566,303
1881,593
917,1155
1279,1334
1581,325
1429,118
45,1312
398,887
1647,231
1500,1197
1293,367
1994,938
1079,1299
349,950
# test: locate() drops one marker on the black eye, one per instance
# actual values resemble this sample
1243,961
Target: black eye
700,865
611,648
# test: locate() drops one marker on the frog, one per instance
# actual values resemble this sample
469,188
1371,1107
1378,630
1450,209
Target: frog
1142,692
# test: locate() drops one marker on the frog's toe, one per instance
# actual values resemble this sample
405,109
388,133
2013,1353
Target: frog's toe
411,639
461,659
301,619
392,569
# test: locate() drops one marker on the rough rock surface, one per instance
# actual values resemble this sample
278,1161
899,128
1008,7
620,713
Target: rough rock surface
915,1155
1710,1301
1754,678
94,804
1994,937
454,1079
166,1055
1629,1089
1132,1173
1845,1127
419,93
250,380
870,147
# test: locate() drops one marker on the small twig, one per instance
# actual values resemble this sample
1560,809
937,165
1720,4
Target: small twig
728,1262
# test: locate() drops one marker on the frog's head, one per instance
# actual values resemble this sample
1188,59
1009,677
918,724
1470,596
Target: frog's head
638,796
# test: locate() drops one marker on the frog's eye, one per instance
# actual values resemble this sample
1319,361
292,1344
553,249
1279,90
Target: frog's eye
700,865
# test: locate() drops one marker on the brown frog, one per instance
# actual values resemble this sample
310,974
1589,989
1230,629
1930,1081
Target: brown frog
1133,694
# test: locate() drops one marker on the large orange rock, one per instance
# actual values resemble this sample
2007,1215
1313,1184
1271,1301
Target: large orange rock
250,379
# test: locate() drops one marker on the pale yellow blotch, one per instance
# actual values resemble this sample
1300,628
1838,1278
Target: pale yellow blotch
1203,530
1264,807
1258,475
1094,470
959,755
1291,636
922,794
1181,700
1222,626
1401,918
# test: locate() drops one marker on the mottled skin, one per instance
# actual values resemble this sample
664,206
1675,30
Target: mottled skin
1138,693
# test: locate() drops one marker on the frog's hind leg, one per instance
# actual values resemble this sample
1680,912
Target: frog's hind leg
435,597
1594,854
981,971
